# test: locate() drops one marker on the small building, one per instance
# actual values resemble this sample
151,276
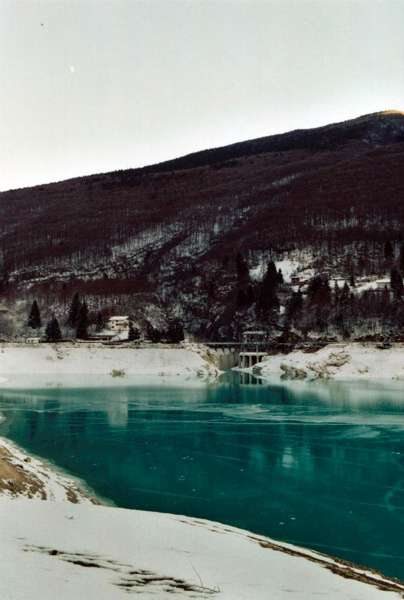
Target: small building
32,340
118,323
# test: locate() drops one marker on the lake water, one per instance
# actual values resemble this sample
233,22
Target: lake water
317,465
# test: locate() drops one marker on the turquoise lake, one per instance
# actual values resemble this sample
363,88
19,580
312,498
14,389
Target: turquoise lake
319,465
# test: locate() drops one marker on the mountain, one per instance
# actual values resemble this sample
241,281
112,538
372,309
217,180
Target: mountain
165,238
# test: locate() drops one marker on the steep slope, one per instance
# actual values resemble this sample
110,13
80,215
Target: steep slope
170,232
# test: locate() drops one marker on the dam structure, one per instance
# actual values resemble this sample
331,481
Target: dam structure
245,354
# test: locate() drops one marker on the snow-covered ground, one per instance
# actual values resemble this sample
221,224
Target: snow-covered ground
23,365
287,266
58,550
293,263
336,361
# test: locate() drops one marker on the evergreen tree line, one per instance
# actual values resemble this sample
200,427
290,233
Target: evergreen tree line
339,309
52,330
264,295
321,307
78,319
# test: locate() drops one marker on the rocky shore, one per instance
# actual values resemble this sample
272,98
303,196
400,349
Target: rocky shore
352,361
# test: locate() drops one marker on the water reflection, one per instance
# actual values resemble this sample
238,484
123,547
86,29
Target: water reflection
249,379
319,465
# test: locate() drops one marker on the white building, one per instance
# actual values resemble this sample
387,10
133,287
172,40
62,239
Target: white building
118,323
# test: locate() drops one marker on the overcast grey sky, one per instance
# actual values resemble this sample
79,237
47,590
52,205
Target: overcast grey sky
95,85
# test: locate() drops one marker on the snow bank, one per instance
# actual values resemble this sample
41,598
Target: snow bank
336,361
23,475
23,365
94,552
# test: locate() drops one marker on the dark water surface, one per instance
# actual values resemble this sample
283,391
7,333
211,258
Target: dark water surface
321,466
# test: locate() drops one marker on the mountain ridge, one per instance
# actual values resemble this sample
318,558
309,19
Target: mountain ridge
166,237
262,140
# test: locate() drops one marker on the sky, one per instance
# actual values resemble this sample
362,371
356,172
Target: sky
89,86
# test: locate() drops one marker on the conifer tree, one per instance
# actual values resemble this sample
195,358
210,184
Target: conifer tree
34,319
175,332
352,280
74,311
133,333
250,295
99,322
295,305
401,258
268,300
241,298
337,293
153,334
345,295
388,250
243,273
243,292
385,299
82,322
319,292
396,283
52,332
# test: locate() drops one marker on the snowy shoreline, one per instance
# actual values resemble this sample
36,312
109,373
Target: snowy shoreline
342,362
95,364
105,552
24,475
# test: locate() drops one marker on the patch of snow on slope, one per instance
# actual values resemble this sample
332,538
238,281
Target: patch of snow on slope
292,264
257,273
288,268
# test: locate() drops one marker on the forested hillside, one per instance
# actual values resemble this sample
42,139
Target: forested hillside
190,239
